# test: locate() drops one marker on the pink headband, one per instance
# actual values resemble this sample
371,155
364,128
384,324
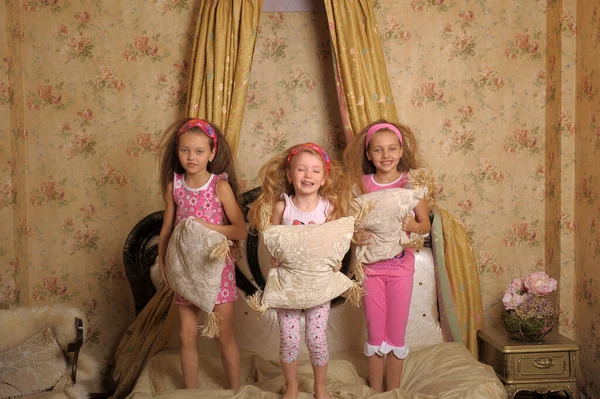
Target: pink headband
311,146
202,125
382,126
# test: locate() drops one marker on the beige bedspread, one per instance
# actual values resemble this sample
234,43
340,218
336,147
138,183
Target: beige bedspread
439,371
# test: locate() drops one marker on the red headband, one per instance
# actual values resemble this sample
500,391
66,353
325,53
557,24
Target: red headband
382,126
314,147
202,125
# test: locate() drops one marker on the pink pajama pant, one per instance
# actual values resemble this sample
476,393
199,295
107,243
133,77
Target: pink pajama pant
316,333
386,303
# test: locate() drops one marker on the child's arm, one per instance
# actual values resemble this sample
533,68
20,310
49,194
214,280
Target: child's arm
277,214
420,224
277,218
166,230
236,230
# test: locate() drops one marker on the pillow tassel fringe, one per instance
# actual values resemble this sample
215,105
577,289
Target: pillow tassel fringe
211,329
354,294
255,302
362,212
221,250
359,272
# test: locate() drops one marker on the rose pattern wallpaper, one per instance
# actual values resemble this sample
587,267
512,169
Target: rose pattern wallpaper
503,98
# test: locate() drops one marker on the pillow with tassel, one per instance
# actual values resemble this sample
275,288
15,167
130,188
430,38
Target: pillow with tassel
194,263
381,213
308,255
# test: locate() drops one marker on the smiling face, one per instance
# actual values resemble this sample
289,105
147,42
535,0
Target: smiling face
194,152
385,151
306,173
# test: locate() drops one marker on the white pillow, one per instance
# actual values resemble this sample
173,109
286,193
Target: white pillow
381,213
194,263
307,255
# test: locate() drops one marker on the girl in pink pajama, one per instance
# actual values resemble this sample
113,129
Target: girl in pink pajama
303,186
378,159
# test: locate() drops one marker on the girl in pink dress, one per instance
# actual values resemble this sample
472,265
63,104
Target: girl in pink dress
197,178
378,159
302,186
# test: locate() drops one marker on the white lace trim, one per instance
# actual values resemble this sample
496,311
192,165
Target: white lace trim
385,348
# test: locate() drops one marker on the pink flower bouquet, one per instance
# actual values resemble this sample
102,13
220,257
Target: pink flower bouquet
530,313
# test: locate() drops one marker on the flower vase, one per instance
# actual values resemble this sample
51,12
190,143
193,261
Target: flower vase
527,328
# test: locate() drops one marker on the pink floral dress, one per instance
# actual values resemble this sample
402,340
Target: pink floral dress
202,202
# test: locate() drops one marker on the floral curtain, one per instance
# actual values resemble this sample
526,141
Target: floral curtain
221,60
362,81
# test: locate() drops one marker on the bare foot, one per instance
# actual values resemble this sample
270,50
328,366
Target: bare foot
321,392
291,392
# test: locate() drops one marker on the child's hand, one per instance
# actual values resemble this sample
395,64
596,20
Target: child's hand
410,225
275,262
362,237
338,267
163,274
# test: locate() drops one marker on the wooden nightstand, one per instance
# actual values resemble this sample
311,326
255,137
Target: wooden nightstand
545,366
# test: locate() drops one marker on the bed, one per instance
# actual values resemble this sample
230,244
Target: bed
435,368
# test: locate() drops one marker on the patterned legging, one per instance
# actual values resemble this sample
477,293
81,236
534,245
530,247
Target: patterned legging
316,334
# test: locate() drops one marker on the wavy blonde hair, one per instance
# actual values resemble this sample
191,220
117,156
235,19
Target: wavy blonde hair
357,164
274,182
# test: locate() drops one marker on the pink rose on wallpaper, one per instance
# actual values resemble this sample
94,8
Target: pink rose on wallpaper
62,30
277,18
428,89
86,114
83,17
182,67
468,15
251,97
45,92
106,73
51,191
540,283
466,205
498,82
522,40
278,114
79,44
141,43
118,85
522,231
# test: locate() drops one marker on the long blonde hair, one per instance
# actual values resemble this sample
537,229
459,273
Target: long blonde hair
274,182
169,160
357,164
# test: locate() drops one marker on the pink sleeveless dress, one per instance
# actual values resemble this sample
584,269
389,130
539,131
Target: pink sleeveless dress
202,202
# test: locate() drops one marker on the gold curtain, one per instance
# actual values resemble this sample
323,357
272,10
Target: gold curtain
461,267
221,60
144,337
362,82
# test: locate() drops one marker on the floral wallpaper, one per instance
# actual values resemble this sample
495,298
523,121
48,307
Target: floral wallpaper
496,91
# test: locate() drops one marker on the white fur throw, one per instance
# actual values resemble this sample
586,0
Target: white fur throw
19,324
307,255
381,213
195,261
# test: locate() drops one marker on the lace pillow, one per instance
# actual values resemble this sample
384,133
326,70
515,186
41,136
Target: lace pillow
381,213
194,263
308,255
34,366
